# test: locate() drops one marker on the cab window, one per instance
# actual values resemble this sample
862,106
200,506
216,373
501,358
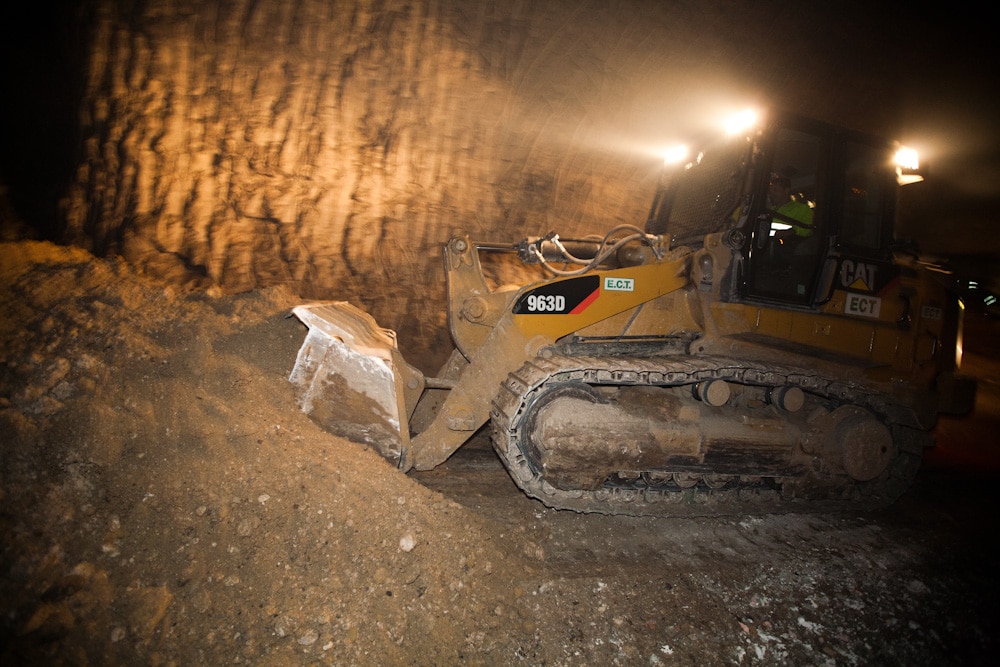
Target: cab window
865,197
789,236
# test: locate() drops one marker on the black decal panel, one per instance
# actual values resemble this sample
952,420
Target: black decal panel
865,275
559,298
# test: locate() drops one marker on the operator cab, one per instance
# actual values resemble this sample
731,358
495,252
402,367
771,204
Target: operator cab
794,201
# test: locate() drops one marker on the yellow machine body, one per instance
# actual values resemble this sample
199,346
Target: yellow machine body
705,361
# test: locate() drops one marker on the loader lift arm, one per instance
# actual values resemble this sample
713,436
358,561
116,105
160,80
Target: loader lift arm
346,353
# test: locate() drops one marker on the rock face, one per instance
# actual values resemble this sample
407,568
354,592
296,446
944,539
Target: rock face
334,146
328,146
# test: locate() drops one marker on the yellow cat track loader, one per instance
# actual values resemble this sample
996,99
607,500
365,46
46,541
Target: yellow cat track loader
761,344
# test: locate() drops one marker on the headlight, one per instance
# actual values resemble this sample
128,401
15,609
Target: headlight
907,166
741,122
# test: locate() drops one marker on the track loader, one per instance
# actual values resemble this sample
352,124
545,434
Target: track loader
739,353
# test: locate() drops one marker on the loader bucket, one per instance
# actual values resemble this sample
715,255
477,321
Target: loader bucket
352,379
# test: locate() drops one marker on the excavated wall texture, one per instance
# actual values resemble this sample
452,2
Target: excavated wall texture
334,146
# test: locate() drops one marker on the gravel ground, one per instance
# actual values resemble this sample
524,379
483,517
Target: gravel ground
164,502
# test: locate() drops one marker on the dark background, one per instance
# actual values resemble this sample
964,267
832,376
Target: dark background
42,50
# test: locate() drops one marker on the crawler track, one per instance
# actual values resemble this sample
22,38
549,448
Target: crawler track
817,490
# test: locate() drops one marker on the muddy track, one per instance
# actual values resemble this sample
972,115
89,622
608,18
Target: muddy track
514,404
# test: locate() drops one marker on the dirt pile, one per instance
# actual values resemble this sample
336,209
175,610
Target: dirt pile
164,500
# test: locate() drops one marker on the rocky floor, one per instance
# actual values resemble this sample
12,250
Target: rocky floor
163,501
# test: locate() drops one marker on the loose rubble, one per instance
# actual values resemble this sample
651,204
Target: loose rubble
164,502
